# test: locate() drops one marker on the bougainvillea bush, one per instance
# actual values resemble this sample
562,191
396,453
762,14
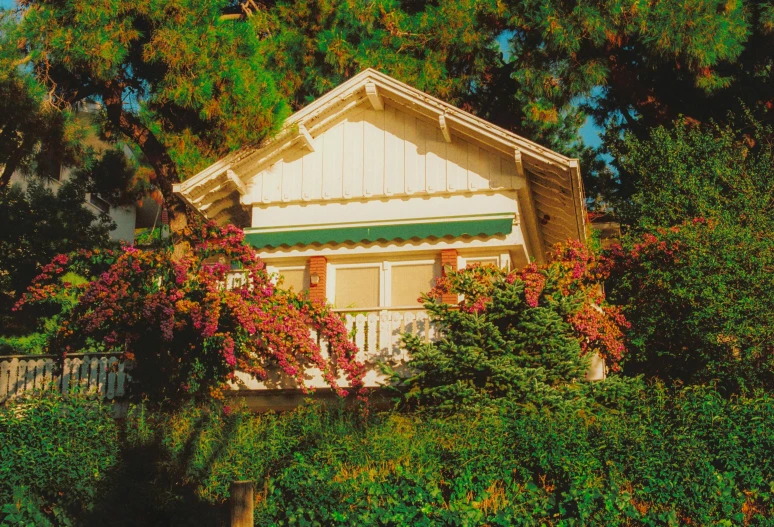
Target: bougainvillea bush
516,334
700,297
186,331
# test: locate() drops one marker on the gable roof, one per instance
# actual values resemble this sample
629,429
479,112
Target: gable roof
553,203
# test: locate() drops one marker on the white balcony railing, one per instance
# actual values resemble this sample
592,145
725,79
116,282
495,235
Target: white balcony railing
378,332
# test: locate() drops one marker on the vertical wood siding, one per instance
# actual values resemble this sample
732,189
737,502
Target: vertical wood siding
382,153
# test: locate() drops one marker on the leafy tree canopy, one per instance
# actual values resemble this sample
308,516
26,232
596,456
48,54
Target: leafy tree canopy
698,297
698,292
688,171
38,224
186,86
175,80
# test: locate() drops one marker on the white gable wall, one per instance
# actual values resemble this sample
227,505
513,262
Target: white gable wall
386,166
381,154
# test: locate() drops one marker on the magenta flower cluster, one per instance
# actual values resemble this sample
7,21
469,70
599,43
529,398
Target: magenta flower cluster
186,330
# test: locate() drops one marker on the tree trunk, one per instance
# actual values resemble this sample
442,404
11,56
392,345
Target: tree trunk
155,152
12,163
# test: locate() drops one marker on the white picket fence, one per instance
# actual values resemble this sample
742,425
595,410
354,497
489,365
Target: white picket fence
102,375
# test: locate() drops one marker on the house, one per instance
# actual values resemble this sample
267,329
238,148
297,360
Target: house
123,216
370,192
608,227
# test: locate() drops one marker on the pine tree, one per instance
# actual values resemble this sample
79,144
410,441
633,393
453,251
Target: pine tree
175,80
186,84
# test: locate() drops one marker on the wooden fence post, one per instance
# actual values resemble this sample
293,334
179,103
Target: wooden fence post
242,504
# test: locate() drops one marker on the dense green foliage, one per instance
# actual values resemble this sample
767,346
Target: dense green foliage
689,171
525,335
36,226
698,291
200,86
55,454
654,458
519,440
36,137
700,304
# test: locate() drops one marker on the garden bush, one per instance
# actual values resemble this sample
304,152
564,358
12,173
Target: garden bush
694,276
661,458
524,334
699,298
55,452
186,331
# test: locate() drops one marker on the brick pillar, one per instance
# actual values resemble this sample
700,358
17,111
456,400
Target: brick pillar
448,262
318,265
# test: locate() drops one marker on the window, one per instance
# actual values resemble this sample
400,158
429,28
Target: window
410,281
504,260
295,278
100,203
357,287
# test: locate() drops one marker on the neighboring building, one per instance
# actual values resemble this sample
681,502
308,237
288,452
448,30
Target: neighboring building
124,217
371,191
609,228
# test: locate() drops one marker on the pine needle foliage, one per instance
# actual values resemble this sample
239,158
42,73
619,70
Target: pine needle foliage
525,336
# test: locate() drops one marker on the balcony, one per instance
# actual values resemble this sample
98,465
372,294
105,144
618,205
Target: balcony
378,332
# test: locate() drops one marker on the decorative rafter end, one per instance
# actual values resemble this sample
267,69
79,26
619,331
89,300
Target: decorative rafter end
237,181
519,163
444,128
374,97
306,137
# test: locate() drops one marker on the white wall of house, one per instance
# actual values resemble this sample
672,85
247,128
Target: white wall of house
382,153
124,217
379,168
385,167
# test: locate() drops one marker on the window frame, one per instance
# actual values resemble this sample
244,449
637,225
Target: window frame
385,278
331,277
503,260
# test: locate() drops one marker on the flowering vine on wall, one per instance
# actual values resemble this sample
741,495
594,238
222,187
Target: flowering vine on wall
569,282
186,331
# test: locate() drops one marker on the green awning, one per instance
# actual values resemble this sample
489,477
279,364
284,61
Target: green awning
372,233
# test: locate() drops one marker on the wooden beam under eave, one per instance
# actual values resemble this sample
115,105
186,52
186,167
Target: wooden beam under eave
306,137
519,163
374,97
581,214
237,182
444,128
213,209
528,215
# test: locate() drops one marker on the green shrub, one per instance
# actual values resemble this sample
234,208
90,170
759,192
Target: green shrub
30,344
662,458
699,299
525,335
695,276
24,510
59,449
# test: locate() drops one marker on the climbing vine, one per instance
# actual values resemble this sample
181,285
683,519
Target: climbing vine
186,327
